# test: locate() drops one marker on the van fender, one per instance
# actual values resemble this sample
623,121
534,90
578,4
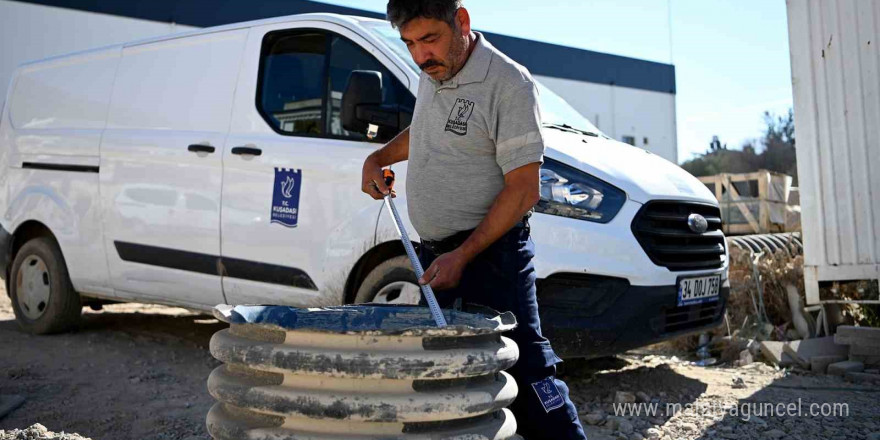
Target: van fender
44,205
75,222
6,143
345,245
48,206
386,245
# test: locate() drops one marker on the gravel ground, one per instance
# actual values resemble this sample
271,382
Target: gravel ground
137,371
751,402
38,432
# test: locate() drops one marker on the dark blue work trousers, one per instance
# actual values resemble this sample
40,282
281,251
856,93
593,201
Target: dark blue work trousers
503,277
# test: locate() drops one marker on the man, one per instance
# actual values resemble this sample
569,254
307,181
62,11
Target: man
475,150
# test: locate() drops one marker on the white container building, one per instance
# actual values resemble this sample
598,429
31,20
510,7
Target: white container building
835,63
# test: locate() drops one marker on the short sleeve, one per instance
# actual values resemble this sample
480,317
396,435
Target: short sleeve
518,139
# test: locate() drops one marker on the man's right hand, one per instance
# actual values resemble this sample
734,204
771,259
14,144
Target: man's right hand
372,181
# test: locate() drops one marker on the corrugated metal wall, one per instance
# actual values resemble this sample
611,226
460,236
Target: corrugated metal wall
835,58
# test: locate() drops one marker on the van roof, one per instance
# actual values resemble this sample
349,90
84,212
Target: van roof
327,17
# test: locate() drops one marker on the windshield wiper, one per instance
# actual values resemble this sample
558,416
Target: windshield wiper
570,129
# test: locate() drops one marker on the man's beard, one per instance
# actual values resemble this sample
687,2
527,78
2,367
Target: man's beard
455,59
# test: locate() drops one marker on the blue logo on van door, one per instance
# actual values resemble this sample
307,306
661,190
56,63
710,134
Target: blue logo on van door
285,196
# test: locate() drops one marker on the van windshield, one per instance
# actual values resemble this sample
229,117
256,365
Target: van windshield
554,110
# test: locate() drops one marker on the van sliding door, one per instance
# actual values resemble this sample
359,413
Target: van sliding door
161,160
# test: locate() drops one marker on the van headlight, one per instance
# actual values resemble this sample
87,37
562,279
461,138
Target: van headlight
569,192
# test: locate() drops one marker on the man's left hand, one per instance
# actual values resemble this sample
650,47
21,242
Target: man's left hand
445,271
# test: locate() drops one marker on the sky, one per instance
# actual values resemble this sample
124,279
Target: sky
731,56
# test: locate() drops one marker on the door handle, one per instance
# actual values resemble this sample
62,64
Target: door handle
247,150
198,148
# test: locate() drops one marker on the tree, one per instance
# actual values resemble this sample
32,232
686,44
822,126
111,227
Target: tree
779,144
777,152
716,145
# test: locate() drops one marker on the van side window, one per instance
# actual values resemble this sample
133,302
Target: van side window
303,74
290,94
346,56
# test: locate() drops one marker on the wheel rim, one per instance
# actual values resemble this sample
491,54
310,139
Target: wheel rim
33,287
399,292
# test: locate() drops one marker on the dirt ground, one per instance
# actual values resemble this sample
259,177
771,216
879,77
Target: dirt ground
137,371
710,403
132,371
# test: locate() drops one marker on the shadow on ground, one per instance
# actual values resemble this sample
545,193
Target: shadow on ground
596,384
800,407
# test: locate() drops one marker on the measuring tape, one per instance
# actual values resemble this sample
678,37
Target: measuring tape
427,291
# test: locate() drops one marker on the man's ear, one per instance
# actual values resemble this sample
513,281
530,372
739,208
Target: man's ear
463,19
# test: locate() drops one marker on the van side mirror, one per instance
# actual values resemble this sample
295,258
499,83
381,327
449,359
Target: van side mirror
362,104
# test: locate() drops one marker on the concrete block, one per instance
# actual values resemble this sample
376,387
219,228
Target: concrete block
854,376
861,332
862,336
804,350
773,352
848,340
870,361
819,364
864,350
841,368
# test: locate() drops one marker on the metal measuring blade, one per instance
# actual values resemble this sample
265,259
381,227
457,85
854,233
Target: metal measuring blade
433,306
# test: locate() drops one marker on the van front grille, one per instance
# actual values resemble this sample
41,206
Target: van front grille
689,317
661,227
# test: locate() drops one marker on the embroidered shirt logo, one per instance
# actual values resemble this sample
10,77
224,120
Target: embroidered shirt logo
459,116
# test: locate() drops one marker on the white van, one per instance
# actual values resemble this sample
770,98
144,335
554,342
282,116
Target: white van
223,166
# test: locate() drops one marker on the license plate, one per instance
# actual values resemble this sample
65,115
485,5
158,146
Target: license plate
698,289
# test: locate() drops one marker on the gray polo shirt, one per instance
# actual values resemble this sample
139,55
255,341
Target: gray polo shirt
466,134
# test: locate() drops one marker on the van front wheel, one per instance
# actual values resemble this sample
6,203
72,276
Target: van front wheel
392,282
42,295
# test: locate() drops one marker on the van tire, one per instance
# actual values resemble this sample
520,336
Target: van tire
62,309
394,270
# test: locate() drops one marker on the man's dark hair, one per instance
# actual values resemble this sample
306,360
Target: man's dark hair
400,12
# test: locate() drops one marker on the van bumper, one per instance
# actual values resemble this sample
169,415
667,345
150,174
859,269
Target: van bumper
586,316
5,251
